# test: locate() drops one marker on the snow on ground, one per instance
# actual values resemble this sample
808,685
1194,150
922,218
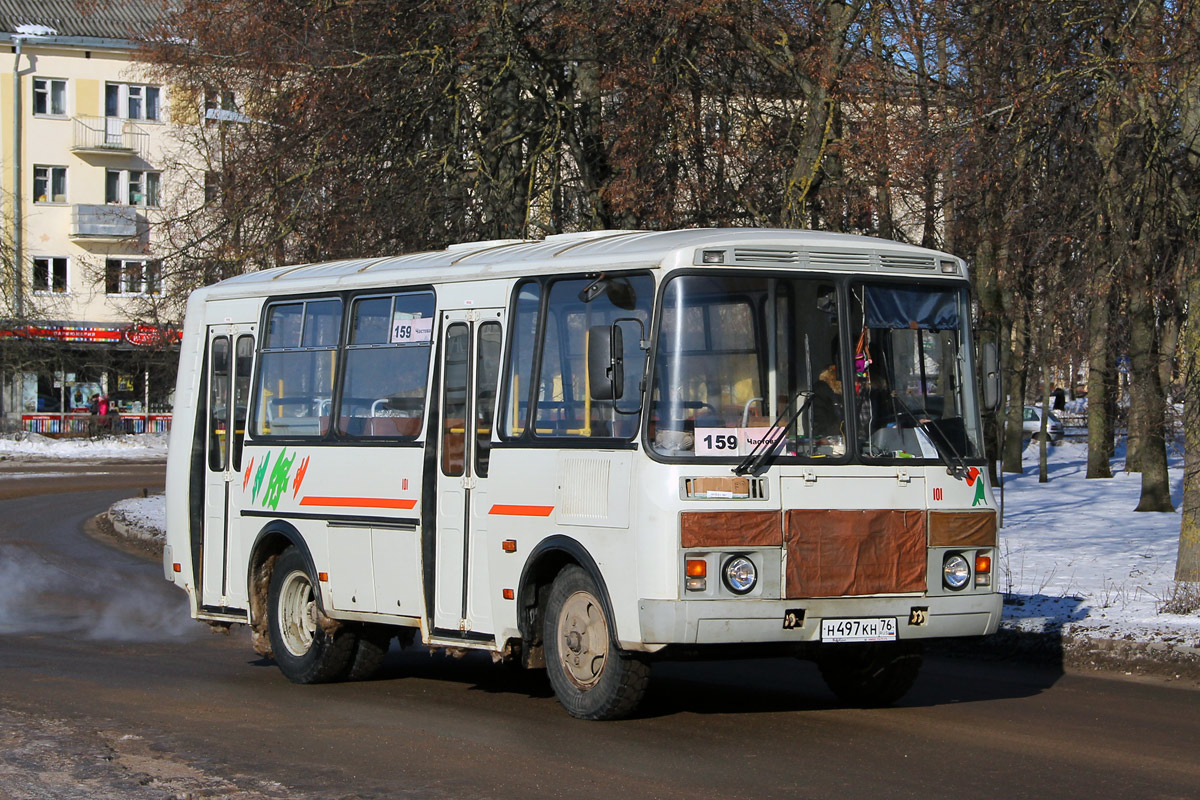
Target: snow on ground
1074,555
146,515
145,445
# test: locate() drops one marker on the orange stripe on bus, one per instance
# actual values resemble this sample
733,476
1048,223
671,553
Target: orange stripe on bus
358,502
522,511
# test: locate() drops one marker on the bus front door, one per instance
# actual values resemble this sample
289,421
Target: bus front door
230,358
471,342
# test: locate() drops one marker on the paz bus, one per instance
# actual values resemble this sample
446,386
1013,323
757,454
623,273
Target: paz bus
588,453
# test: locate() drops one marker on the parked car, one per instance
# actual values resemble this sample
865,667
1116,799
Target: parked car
1032,426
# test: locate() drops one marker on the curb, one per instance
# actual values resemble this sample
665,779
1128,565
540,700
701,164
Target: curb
1080,653
123,527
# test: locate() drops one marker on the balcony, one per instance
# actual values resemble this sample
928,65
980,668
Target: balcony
109,223
109,136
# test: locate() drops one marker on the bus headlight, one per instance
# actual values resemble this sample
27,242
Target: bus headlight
739,574
955,571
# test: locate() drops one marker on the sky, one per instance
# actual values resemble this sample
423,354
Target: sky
1074,555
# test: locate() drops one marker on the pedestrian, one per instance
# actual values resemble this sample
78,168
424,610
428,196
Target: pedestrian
93,414
1060,398
102,418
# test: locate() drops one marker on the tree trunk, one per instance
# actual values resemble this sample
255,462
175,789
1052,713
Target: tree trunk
1146,404
1044,438
1187,566
1015,389
1100,366
944,79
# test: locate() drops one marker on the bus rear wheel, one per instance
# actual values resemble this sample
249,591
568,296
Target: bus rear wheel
307,649
591,677
871,674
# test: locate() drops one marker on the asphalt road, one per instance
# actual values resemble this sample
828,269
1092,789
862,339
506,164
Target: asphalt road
107,690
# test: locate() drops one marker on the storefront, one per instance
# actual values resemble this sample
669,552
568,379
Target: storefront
54,378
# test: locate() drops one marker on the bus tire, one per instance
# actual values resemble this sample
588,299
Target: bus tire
307,649
591,677
369,649
870,674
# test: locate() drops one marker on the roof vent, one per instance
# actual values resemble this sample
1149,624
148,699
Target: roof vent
818,258
769,255
906,262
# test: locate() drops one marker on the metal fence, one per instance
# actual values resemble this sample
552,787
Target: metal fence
74,424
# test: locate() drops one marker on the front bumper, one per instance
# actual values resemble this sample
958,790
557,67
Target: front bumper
743,621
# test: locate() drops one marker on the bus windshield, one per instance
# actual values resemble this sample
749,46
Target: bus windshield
737,353
913,393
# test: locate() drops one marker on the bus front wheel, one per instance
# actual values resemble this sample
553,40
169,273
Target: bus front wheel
870,674
591,677
306,647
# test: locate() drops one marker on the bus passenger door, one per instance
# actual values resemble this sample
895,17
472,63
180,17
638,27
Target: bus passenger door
230,358
471,342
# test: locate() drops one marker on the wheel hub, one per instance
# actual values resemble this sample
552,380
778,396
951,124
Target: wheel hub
584,636
297,614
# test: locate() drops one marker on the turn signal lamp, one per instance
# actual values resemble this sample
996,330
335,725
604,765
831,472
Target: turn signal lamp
696,570
177,567
509,545
983,570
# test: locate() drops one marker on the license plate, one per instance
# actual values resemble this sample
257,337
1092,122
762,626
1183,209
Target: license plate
872,629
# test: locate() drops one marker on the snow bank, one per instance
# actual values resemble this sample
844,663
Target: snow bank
141,445
142,517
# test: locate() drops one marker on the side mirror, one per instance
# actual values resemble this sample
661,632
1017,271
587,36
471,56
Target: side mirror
606,362
991,377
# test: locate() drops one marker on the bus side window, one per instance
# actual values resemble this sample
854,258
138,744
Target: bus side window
387,365
519,379
454,399
563,405
218,405
488,361
243,360
299,360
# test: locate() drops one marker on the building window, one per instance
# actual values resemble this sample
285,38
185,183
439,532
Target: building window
49,97
49,184
221,106
212,186
132,101
50,275
132,276
132,187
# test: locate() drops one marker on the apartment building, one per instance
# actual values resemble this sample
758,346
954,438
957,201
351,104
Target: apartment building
86,144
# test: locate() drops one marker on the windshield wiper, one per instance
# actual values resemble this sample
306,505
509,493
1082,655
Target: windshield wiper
956,465
766,448
947,454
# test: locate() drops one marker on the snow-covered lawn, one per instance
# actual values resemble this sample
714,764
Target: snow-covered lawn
1074,556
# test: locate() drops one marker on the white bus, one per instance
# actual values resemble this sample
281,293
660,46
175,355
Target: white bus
588,453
